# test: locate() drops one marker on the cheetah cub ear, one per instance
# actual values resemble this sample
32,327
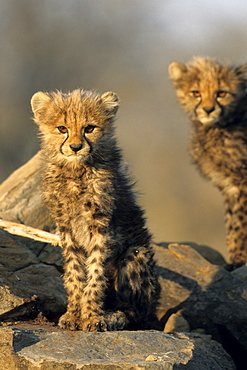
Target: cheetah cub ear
176,70
242,71
39,102
110,102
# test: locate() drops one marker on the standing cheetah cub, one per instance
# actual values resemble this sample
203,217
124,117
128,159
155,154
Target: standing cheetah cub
215,98
110,274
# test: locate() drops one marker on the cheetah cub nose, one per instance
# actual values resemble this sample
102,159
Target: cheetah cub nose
208,110
76,147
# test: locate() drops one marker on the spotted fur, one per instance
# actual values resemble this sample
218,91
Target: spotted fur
110,273
214,97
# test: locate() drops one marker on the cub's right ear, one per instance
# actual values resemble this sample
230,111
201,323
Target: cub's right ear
39,103
110,101
242,71
176,70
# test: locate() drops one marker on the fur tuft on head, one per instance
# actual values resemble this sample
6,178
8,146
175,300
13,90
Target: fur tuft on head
178,71
47,106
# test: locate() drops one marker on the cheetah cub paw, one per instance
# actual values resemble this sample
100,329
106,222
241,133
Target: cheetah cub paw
69,321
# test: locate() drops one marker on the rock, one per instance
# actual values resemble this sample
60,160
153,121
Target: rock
176,323
52,256
208,296
20,197
210,254
197,293
13,254
37,347
241,273
21,201
26,284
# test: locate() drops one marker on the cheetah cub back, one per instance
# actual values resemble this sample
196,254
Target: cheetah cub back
214,97
110,273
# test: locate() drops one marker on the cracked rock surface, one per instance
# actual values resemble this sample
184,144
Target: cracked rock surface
33,348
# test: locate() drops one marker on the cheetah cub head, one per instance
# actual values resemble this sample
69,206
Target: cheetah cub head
208,91
74,126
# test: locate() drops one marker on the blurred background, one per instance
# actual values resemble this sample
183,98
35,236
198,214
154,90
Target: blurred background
124,46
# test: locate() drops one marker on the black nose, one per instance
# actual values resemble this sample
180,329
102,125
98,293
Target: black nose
208,110
76,147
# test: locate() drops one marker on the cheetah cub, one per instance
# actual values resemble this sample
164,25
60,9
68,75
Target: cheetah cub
110,274
214,96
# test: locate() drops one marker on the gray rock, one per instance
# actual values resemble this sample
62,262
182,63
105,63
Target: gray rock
33,348
20,196
176,323
26,284
197,294
52,256
208,296
30,271
14,255
210,254
21,201
241,273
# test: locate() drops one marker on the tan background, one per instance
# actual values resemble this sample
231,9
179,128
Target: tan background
124,46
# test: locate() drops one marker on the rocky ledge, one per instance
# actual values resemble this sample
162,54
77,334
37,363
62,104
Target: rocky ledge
37,347
203,308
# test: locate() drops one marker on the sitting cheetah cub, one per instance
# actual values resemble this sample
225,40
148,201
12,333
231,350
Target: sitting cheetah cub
214,96
110,275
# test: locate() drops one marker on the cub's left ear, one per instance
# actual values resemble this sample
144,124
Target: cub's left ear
39,103
177,71
110,102
242,70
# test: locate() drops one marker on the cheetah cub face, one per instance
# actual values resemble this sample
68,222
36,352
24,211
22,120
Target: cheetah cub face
75,131
207,90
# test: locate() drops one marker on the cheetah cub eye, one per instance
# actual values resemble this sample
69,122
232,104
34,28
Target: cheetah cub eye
62,129
221,94
89,129
196,93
